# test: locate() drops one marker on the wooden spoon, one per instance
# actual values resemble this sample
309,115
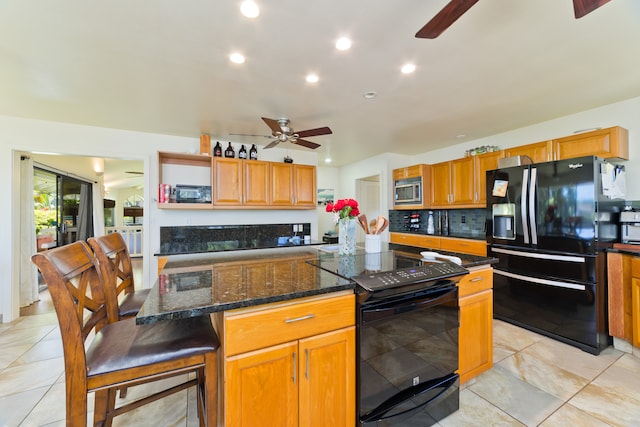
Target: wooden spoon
373,226
362,218
379,224
384,225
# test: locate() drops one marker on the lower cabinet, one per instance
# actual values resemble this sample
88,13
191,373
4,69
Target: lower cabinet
291,364
450,244
475,348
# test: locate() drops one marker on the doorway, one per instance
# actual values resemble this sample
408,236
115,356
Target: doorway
368,197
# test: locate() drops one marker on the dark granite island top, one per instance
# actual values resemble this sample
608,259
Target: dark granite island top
197,284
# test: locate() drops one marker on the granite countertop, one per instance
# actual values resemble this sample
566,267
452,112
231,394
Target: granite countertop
627,249
197,284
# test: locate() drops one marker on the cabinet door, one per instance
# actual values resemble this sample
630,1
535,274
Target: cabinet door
476,335
227,177
466,246
635,302
484,163
256,182
327,379
538,152
462,181
281,184
440,185
304,183
608,143
261,387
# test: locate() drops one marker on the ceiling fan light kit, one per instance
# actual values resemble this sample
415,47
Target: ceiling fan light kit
282,132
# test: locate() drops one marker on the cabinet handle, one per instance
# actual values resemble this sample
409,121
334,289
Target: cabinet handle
295,367
306,363
476,279
297,319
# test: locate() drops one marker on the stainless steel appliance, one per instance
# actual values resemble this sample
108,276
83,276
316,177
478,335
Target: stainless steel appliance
407,335
193,194
408,191
548,224
630,226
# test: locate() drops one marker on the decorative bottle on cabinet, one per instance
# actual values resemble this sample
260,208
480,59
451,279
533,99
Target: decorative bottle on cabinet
253,153
217,150
242,154
229,152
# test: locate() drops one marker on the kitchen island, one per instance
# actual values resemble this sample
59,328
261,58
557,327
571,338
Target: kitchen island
287,328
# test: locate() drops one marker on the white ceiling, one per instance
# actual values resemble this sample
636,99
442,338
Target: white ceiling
162,66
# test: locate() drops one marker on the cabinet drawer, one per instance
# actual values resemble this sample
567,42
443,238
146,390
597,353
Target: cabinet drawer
466,246
251,329
475,281
418,240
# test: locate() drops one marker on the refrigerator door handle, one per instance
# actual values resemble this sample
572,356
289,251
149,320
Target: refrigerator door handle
565,258
555,283
523,205
532,206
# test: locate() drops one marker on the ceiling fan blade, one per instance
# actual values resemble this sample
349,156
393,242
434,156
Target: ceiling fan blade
314,132
583,7
443,20
271,144
307,144
273,125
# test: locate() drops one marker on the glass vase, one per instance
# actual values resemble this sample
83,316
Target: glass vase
347,236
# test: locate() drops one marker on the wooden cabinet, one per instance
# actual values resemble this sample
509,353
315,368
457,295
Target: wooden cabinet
418,240
455,183
292,364
623,279
240,183
484,163
475,349
293,185
180,169
449,244
421,171
465,246
538,152
612,142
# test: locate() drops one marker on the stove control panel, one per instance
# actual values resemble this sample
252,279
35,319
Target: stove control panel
409,276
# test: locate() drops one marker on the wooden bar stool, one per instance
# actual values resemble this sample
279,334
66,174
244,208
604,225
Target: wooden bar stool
112,249
122,354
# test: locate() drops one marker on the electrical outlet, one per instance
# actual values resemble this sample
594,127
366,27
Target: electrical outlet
295,228
300,228
463,219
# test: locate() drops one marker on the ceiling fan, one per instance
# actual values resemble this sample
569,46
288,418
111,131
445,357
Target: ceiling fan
456,8
281,132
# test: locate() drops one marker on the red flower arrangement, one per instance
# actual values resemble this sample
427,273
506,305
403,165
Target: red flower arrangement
345,208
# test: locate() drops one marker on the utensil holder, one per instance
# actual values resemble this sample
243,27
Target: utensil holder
373,243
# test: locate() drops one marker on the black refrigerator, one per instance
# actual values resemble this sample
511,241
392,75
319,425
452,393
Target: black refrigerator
549,225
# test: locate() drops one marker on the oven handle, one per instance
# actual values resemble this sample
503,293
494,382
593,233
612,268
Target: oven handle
381,311
379,413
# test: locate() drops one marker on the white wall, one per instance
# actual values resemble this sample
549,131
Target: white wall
27,135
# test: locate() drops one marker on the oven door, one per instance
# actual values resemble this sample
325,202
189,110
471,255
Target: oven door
408,355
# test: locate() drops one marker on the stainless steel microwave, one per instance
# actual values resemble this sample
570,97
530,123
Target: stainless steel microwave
408,191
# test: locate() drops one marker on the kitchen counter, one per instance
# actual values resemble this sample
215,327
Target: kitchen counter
197,284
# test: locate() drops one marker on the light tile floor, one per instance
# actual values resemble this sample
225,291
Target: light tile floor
535,381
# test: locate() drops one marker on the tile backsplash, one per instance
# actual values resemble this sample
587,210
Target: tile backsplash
447,222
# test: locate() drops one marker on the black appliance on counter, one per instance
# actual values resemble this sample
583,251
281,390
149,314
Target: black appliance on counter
548,224
407,336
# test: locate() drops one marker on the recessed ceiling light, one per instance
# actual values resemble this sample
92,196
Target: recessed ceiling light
370,95
312,78
343,43
249,9
327,160
408,68
237,58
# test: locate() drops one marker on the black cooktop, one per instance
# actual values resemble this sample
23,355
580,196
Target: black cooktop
361,263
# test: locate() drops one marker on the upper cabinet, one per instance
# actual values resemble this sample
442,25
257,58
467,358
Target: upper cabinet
293,185
538,152
239,183
453,183
608,143
484,163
